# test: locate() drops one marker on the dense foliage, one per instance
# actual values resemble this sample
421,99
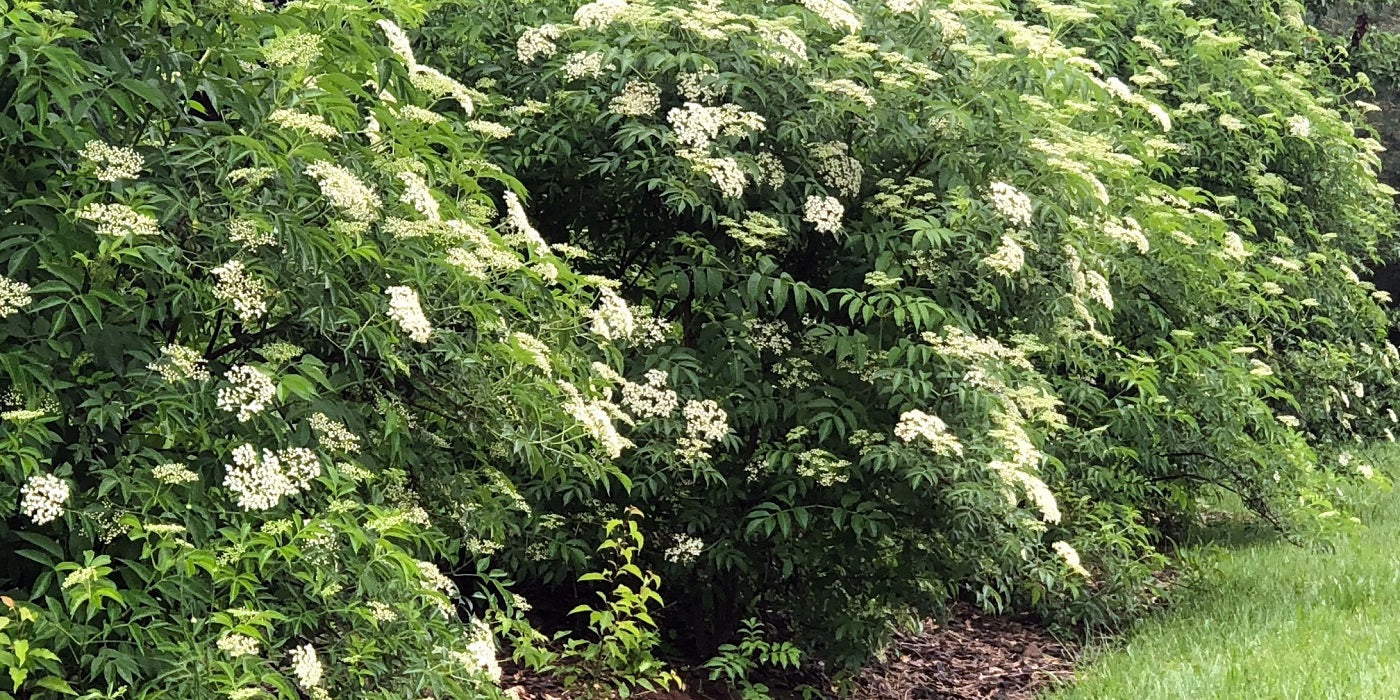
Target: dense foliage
978,284
835,314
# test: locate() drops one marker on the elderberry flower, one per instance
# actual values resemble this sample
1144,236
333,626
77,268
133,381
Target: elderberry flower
13,296
300,466
836,13
434,83
345,191
405,309
1071,557
1011,203
333,435
1299,126
306,666
236,645
312,124
638,98
248,294
489,129
537,42
113,162
173,473
249,392
612,319
1008,259
847,88
178,363
79,577
119,220
654,399
251,233
599,13
916,424
382,612
824,213
398,41
685,550
417,195
596,418
296,49
256,478
42,498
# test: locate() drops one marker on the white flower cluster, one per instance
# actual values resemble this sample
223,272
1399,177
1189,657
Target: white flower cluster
248,294
848,89
724,172
251,177
537,42
405,309
236,645
518,228
1008,258
792,49
599,14
705,425
306,666
382,612
119,220
481,651
768,336
178,363
837,168
685,550
489,129
916,424
333,435
417,195
312,124
14,296
249,392
296,49
250,233
824,213
823,467
1013,204
174,473
702,86
414,113
584,64
596,417
697,125
638,98
279,352
1127,231
261,480
773,173
345,191
836,13
535,348
654,399
113,162
1071,557
425,78
42,498
612,319
1299,126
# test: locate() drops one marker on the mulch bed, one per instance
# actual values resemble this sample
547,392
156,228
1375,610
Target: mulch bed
970,657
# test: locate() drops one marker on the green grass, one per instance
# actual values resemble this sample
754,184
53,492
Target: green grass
1278,621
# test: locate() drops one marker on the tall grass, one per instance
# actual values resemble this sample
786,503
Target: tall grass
1278,621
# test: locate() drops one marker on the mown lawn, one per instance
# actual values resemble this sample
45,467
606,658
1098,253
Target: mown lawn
1278,622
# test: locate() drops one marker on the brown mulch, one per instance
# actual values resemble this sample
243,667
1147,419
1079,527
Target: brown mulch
970,657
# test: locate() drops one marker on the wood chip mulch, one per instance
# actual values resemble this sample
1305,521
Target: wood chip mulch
970,657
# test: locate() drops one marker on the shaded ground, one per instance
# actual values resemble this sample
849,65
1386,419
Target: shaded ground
971,657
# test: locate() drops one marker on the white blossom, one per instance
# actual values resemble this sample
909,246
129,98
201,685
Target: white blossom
248,295
113,162
306,666
824,213
42,498
249,392
405,309
13,296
